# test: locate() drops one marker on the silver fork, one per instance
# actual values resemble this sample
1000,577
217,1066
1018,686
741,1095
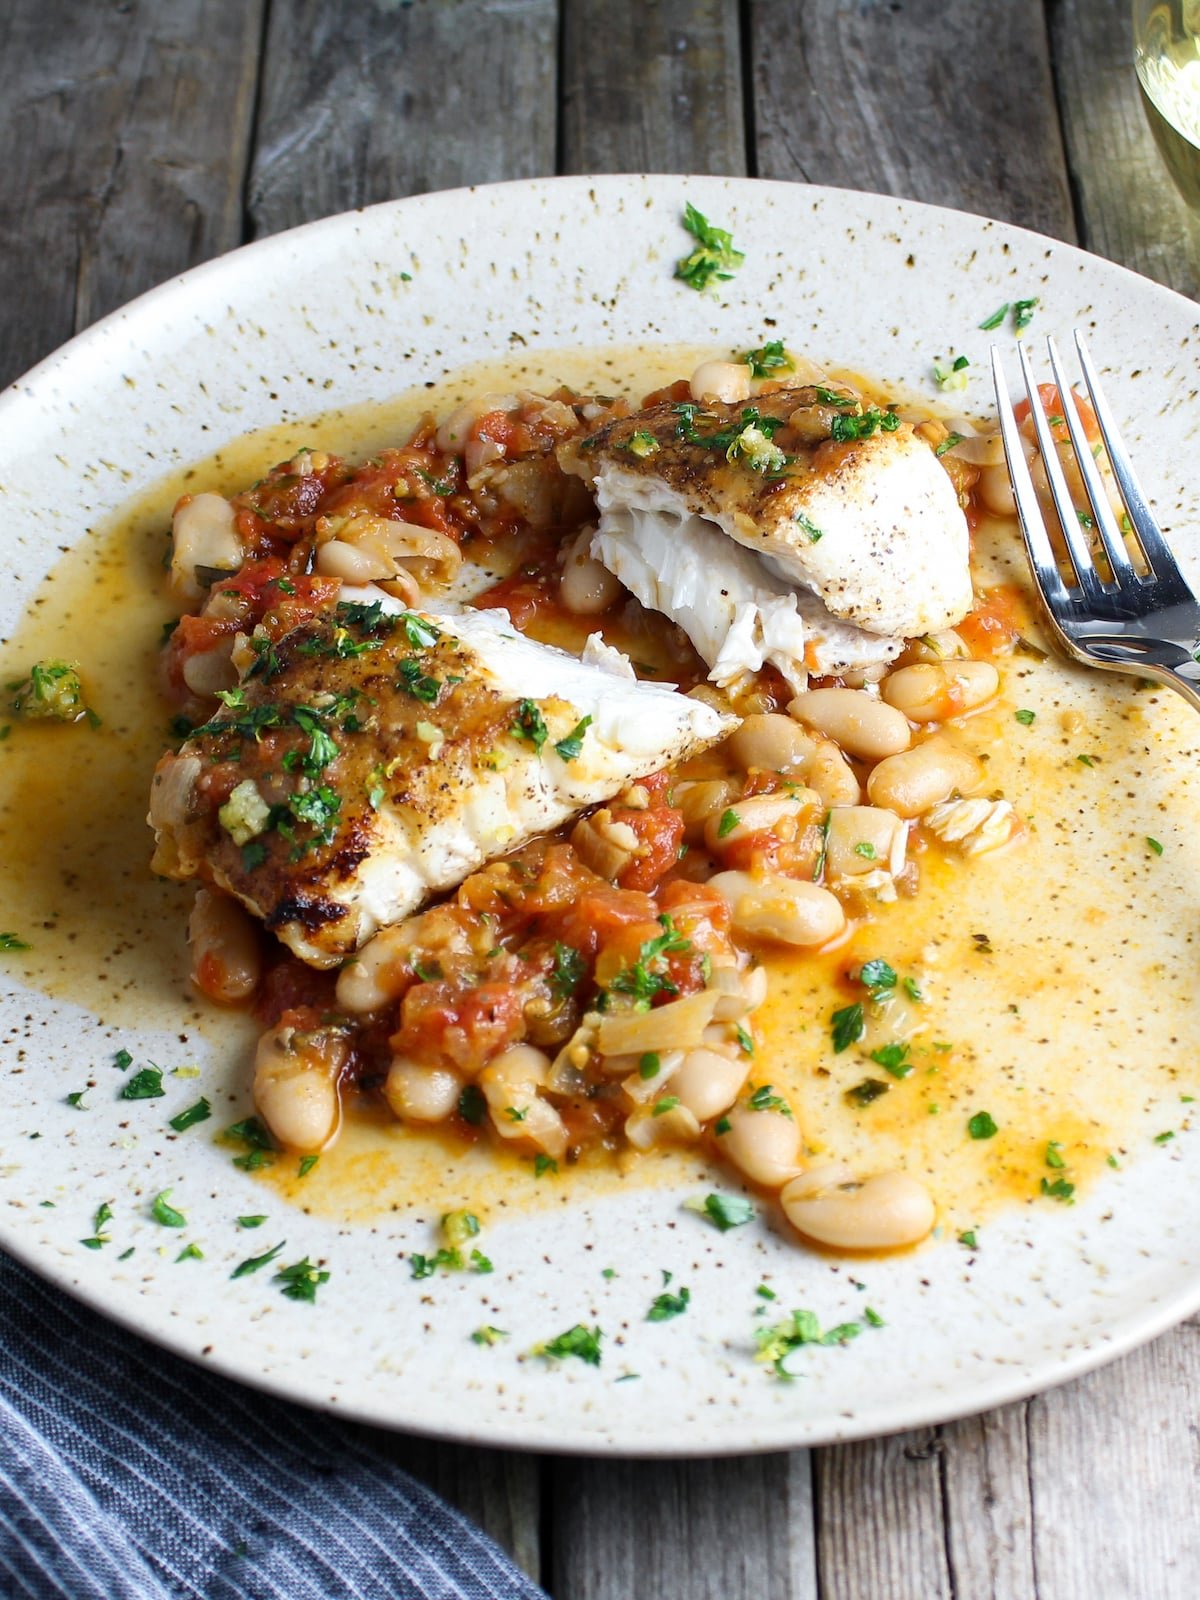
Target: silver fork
1146,623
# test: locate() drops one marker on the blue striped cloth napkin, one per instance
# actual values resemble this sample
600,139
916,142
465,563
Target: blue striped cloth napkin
127,1474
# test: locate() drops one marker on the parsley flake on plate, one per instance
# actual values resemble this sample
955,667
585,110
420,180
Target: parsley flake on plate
715,258
581,1342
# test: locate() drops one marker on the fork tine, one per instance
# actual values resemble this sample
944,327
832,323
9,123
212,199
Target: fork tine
1154,547
1077,545
1123,569
1037,540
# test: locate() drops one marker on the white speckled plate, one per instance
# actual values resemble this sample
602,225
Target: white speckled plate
356,308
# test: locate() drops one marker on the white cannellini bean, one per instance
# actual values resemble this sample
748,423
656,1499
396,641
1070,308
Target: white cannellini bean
780,813
296,1087
226,955
932,691
644,1130
765,1145
510,1085
783,909
862,725
769,740
739,992
852,827
203,535
375,974
421,1094
710,1080
721,380
914,780
209,671
885,1212
452,434
831,776
586,586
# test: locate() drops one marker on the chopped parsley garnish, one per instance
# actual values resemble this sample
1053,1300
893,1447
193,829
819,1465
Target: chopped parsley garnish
715,258
516,1113
967,1238
253,1221
870,1089
569,970
420,633
1054,1155
745,1042
848,1026
307,1163
777,1343
253,1263
165,1213
1153,844
948,443
996,318
10,942
75,1098
877,977
416,682
845,428
951,374
200,1112
1025,717
770,357
729,821
872,1318
912,989
580,1342
544,1164
1060,1189
99,1238
865,849
650,1065
190,1252
1164,1138
51,692
667,1103
823,853
724,1211
765,1099
665,1306
1023,313
122,1060
753,445
645,978
145,1084
642,444
488,1335
894,1059
569,748
530,725
808,526
301,1280
982,1126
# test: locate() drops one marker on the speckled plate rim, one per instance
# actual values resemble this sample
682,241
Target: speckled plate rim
1114,1323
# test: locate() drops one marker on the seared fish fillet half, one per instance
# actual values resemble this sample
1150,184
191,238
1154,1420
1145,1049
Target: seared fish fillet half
375,757
835,500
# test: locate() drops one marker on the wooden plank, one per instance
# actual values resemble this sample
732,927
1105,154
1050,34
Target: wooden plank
125,131
989,1506
952,104
1129,209
498,1489
688,1530
881,1518
1114,1464
652,86
369,102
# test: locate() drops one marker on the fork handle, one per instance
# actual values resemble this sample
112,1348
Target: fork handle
1159,659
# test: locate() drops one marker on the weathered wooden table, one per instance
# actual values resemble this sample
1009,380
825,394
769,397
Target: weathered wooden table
142,136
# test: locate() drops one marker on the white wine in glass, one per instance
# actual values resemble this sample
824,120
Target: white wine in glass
1166,41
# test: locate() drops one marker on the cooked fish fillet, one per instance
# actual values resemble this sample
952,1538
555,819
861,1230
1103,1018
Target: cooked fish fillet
737,612
870,524
375,757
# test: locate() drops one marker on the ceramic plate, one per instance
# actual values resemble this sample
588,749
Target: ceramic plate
356,308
